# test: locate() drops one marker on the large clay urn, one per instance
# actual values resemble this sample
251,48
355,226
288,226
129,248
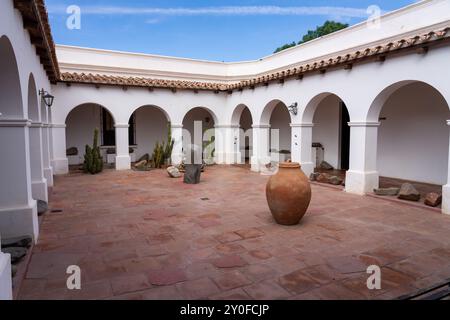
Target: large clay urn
288,194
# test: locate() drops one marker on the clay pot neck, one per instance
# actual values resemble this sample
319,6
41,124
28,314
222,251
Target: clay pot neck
290,165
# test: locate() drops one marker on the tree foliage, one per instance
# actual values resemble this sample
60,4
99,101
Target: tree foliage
327,28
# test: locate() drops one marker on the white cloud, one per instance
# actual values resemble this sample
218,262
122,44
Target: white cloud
343,12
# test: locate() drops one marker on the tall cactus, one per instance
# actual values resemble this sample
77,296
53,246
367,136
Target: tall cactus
163,152
93,160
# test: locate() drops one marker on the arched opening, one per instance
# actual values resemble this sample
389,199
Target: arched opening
199,137
330,136
148,126
38,182
80,125
277,116
243,140
413,137
11,96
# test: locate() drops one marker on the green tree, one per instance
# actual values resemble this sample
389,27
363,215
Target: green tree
327,28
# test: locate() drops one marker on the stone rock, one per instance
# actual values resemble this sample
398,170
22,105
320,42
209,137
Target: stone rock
336,181
42,207
24,242
173,172
140,163
323,178
209,161
387,191
17,253
192,174
313,176
145,157
433,199
409,192
72,151
326,166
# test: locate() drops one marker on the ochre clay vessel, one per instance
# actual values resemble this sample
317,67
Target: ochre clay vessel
288,194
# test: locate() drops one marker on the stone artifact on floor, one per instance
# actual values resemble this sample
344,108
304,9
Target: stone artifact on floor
173,172
42,207
192,173
433,199
387,191
409,192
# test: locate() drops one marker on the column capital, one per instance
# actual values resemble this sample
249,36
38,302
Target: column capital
122,125
15,123
364,124
176,126
56,125
448,122
227,126
302,125
261,126
36,125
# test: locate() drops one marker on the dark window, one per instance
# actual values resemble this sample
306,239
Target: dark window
345,138
109,132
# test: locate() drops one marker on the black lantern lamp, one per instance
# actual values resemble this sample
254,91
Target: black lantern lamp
293,108
47,97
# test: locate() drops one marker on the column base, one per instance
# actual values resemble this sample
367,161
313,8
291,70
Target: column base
123,163
48,174
39,190
257,164
308,168
361,183
227,158
60,166
177,159
5,277
19,222
446,199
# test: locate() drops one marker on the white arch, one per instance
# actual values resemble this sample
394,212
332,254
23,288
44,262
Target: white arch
307,115
268,110
237,113
211,112
85,104
33,104
12,104
163,110
377,104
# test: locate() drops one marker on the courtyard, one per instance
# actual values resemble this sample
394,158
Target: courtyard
143,235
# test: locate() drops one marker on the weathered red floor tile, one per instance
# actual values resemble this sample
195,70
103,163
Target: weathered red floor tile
297,282
249,233
267,290
230,261
231,280
197,289
165,277
130,283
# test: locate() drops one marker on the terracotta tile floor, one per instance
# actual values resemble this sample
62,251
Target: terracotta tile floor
142,235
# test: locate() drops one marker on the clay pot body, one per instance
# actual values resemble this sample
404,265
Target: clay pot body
288,194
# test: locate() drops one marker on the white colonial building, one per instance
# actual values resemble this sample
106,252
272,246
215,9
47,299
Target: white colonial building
376,98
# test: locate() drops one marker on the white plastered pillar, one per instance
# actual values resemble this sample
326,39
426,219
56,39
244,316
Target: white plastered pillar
5,275
261,141
60,163
177,151
18,210
302,146
38,182
225,143
123,159
446,188
363,176
48,170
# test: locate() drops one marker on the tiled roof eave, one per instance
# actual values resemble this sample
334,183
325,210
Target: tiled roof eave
346,60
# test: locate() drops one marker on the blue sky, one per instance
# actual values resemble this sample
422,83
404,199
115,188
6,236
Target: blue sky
213,30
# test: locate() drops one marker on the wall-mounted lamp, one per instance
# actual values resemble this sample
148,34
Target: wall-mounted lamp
47,97
293,108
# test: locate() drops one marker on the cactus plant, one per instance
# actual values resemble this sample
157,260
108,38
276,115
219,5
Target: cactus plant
93,160
163,151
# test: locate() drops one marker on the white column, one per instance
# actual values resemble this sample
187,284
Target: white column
302,146
226,150
60,163
48,170
38,182
18,210
5,275
446,188
363,176
261,141
177,136
123,160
